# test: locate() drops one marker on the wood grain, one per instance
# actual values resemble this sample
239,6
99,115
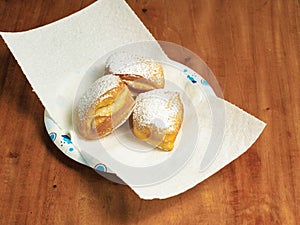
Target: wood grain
253,48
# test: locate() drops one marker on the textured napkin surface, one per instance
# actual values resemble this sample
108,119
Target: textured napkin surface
214,133
240,132
55,58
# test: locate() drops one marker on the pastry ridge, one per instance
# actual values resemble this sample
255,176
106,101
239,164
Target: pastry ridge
104,106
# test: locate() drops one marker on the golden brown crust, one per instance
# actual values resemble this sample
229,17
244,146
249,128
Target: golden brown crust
157,118
139,74
97,115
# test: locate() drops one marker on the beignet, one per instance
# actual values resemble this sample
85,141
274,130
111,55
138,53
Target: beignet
138,73
157,118
104,106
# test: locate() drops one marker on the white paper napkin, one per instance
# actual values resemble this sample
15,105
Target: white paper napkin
241,131
214,133
56,57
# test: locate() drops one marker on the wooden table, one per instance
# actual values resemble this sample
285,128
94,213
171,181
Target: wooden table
253,47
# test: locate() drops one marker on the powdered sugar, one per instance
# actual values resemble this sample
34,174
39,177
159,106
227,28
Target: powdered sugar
158,107
96,92
125,63
119,60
